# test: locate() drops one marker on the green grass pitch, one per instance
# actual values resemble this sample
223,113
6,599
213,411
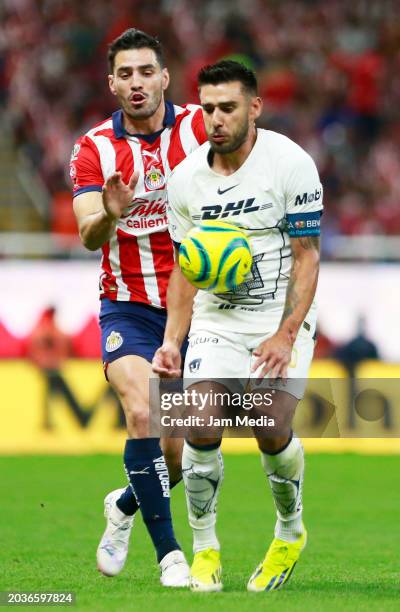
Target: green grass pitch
51,521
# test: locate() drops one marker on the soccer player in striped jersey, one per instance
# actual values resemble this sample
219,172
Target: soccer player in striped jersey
119,170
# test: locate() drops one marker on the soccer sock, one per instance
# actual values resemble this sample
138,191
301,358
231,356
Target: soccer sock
285,472
148,475
127,502
203,473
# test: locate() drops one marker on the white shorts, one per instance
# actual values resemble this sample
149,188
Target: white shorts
227,357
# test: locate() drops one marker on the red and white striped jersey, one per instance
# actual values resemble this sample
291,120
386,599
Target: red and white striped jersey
138,259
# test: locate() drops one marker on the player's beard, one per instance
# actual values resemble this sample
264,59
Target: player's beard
150,107
235,141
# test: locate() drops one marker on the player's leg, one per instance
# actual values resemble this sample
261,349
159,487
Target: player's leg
212,362
203,472
138,334
145,464
282,458
283,462
120,506
172,451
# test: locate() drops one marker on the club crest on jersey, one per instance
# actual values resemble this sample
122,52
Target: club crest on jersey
113,341
194,365
75,151
154,178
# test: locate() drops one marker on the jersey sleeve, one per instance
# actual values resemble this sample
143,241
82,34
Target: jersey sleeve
198,127
179,221
85,167
303,193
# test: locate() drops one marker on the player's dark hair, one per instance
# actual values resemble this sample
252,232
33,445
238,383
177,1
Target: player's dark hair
227,71
134,39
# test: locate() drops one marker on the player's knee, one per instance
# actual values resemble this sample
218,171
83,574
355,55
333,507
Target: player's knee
137,421
201,442
134,400
273,444
126,386
135,405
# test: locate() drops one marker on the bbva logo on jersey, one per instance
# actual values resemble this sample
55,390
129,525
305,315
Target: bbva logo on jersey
219,211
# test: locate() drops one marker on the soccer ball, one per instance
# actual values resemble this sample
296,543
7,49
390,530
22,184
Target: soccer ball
215,256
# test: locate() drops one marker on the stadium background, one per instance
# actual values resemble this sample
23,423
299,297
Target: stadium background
329,74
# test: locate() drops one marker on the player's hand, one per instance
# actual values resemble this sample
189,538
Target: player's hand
167,361
118,195
274,354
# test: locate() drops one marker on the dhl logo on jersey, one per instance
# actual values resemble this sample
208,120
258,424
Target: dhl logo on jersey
218,211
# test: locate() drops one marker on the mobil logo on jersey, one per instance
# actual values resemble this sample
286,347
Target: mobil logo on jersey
154,177
145,214
307,198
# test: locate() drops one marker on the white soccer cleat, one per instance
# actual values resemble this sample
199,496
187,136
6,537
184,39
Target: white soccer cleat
174,570
113,547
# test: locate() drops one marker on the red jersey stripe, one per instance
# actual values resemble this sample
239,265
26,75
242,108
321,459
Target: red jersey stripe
108,282
123,159
108,133
176,152
163,258
198,128
131,267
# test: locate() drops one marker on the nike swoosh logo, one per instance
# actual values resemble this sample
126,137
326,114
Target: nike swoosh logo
221,191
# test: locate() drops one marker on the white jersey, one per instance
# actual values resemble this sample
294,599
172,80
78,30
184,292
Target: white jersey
274,195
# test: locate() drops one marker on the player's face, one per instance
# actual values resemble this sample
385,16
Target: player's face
229,114
139,82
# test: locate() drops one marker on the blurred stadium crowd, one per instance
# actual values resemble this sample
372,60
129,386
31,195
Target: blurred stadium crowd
329,74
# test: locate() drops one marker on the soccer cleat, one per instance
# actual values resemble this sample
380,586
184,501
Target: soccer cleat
174,570
113,547
277,566
206,570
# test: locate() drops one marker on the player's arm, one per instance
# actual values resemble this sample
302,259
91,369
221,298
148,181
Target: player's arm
180,296
97,213
180,293
275,353
303,193
302,285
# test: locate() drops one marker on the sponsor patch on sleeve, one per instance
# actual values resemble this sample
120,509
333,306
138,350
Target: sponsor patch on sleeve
304,224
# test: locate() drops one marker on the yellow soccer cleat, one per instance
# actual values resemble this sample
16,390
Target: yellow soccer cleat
277,566
206,570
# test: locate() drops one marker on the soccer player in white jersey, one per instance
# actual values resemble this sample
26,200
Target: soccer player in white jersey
263,182
119,171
